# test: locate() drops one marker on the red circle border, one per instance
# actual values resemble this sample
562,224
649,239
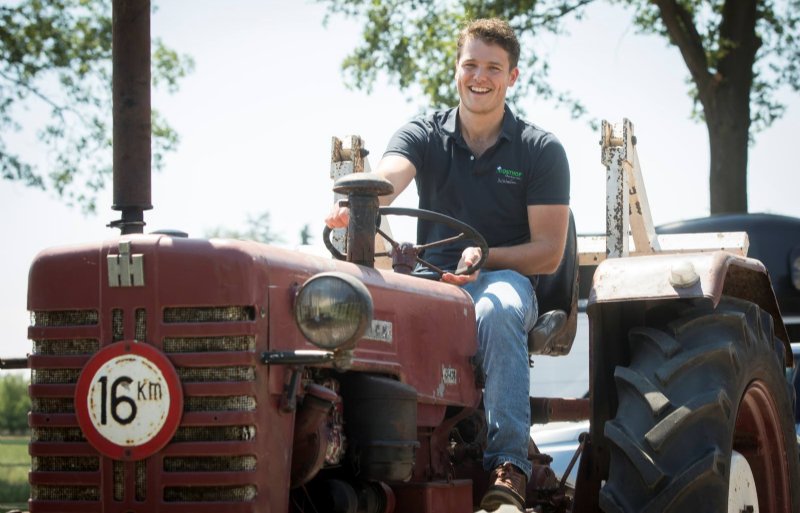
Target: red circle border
174,413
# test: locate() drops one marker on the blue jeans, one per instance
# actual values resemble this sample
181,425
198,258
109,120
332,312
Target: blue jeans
506,309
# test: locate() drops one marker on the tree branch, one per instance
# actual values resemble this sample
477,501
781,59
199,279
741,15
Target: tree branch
680,26
564,10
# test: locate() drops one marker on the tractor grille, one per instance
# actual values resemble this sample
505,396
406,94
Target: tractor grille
210,494
209,344
233,412
70,464
64,318
210,314
215,372
64,493
66,346
215,434
57,434
232,403
209,464
62,405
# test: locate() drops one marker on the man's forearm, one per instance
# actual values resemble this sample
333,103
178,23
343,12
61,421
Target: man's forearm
528,259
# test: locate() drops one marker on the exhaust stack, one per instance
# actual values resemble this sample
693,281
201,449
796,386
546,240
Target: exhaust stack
131,110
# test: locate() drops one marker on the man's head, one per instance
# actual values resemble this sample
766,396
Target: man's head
492,31
488,52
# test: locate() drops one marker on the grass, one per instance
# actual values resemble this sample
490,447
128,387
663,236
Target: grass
14,465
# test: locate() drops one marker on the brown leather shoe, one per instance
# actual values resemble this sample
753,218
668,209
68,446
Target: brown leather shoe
506,486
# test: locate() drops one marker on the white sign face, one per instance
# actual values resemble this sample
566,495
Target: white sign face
128,400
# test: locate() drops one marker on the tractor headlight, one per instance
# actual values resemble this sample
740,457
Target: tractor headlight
333,310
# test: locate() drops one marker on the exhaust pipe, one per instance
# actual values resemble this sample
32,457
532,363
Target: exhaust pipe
130,52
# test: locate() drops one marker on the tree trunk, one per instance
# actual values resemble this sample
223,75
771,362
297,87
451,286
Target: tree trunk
722,70
728,129
727,107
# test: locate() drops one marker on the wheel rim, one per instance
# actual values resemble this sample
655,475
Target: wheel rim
742,494
759,439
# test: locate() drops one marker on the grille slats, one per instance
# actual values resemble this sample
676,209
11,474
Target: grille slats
41,319
209,464
209,344
64,493
209,314
210,493
231,403
65,463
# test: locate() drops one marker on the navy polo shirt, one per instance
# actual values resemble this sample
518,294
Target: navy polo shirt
526,166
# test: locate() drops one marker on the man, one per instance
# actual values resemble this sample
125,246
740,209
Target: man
509,179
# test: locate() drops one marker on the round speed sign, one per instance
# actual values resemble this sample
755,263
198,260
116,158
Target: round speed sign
128,400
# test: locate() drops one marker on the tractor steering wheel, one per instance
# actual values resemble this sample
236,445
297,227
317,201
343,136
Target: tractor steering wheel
465,232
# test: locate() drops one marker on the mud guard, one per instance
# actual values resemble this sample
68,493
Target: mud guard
688,276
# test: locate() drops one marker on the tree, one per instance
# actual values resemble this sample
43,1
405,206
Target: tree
739,54
14,404
55,65
305,235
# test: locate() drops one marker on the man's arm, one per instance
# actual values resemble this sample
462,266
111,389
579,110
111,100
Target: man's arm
548,226
398,170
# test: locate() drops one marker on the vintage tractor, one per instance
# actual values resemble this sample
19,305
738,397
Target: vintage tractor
171,374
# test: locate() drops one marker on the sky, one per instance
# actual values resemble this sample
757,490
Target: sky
257,116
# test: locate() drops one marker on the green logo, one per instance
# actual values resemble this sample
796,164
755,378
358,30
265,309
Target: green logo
508,175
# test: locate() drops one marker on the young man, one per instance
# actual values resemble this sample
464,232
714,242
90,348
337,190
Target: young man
509,179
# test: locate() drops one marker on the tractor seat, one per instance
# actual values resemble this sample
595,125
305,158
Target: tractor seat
557,296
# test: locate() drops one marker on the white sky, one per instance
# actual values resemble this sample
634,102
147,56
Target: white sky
257,115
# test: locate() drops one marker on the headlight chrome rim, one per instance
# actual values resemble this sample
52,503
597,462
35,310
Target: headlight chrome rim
333,310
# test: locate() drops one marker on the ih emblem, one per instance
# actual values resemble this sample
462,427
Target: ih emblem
124,269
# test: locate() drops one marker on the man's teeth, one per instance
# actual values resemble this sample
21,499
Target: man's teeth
479,89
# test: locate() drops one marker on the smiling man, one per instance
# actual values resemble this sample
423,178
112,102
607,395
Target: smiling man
509,179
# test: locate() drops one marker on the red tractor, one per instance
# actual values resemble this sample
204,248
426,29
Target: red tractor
171,374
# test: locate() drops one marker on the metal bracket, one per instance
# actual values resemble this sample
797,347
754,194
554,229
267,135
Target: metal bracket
628,215
125,269
626,197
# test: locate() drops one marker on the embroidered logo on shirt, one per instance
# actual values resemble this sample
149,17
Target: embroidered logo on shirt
508,176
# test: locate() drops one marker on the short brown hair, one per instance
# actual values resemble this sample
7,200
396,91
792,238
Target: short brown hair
491,31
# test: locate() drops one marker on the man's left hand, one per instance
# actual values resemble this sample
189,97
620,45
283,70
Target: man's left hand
470,256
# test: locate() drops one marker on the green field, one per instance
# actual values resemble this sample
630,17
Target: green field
14,466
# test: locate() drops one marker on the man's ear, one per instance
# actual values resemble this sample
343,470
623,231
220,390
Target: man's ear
513,76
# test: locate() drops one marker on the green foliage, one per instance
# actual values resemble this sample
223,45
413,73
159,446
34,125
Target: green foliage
777,61
14,465
55,63
14,404
413,43
258,229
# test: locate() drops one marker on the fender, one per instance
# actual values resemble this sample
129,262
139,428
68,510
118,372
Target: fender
687,276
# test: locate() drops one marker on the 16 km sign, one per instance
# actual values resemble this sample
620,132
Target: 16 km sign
128,400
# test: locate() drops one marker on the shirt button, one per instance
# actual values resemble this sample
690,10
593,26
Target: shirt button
472,157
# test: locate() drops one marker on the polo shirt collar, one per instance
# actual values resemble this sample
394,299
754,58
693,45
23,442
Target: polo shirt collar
450,125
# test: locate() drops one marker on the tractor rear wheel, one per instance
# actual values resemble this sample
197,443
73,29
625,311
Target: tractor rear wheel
699,391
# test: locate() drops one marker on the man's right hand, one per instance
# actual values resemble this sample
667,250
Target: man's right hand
338,217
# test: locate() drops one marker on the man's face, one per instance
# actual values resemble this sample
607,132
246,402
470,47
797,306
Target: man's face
483,74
